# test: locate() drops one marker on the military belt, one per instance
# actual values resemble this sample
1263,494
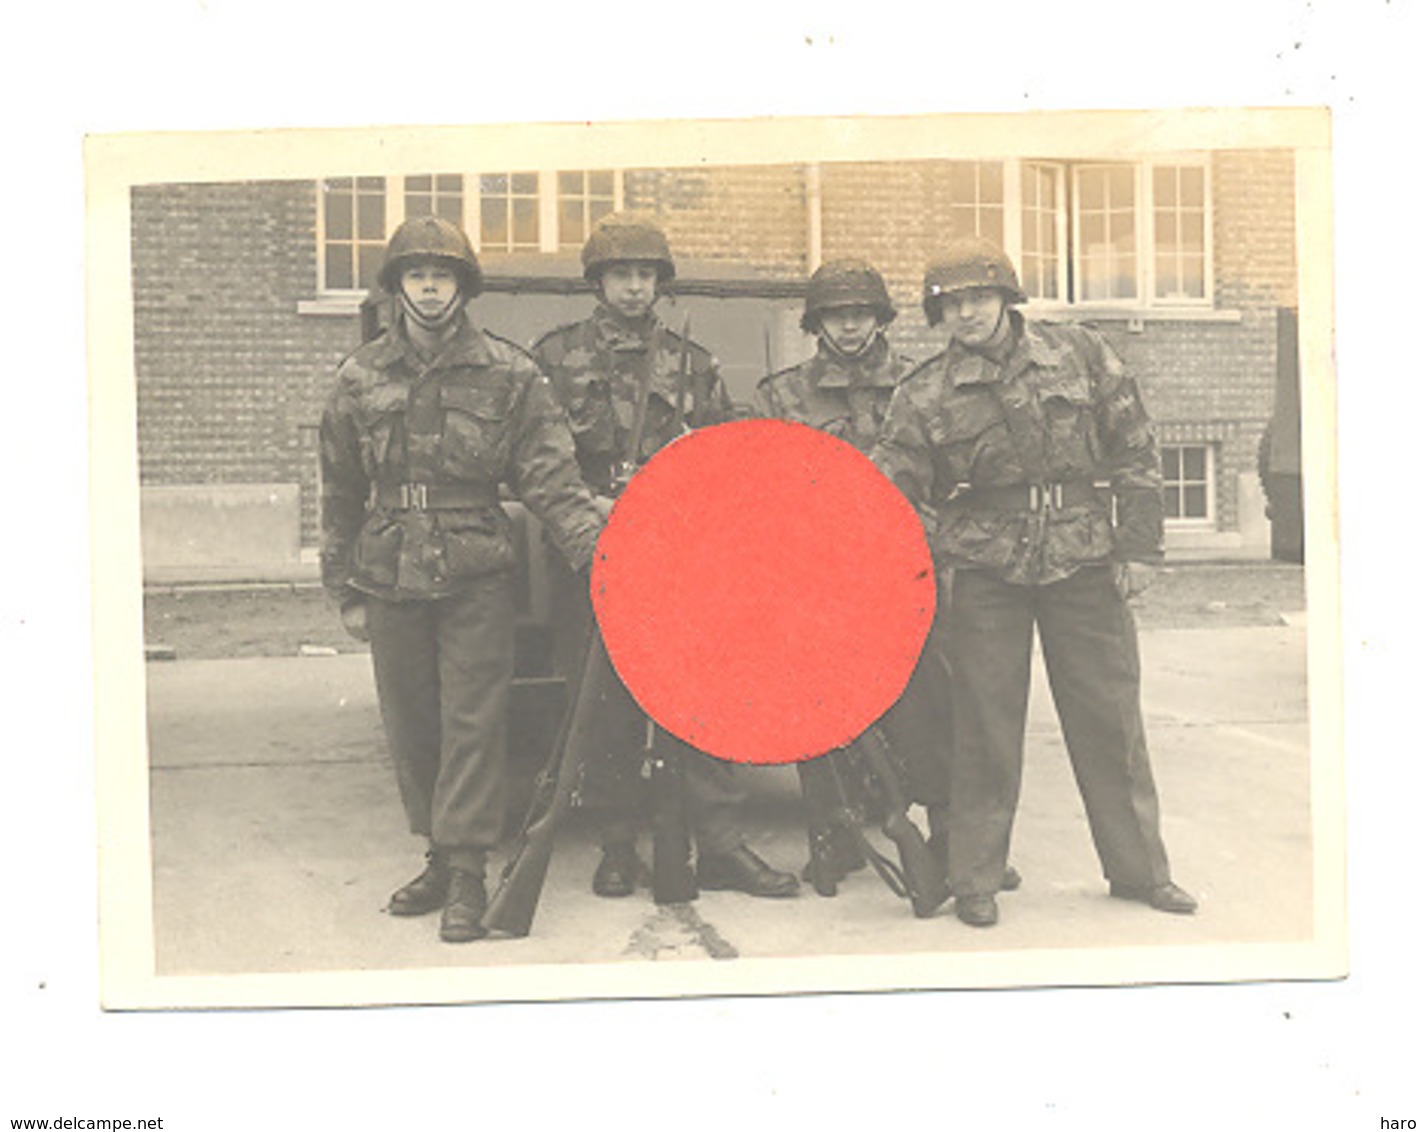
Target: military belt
1033,496
432,496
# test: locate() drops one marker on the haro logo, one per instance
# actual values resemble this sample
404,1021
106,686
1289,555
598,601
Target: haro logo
1388,1123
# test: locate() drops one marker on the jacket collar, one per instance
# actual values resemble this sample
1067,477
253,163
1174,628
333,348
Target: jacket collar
870,370
968,367
469,347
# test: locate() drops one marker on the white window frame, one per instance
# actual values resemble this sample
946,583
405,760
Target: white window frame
1210,471
1146,282
395,190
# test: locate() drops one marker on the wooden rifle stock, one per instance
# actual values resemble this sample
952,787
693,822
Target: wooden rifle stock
924,877
512,910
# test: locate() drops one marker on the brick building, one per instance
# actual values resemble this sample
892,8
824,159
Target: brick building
246,296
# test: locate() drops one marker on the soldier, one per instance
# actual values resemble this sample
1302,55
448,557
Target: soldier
426,422
844,389
1002,440
597,367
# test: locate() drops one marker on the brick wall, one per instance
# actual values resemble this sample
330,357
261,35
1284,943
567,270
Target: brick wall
231,379
754,217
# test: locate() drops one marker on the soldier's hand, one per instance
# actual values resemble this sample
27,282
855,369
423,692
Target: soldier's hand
1133,578
354,619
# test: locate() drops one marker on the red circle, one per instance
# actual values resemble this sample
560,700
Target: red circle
763,590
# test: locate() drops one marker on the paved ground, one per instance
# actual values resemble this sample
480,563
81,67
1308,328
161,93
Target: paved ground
277,835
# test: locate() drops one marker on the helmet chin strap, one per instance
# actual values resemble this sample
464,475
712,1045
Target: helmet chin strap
859,352
436,321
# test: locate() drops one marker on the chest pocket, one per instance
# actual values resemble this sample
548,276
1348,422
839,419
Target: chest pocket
1073,438
382,412
474,431
591,415
970,435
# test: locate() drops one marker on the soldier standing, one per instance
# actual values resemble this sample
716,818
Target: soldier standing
844,389
1004,439
598,367
426,422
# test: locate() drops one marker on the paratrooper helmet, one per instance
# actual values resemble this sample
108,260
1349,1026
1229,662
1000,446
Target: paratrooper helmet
846,283
967,263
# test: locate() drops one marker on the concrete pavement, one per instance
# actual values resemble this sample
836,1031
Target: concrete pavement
277,834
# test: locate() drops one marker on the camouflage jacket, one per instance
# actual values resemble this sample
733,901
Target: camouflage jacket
596,365
479,416
845,397
947,443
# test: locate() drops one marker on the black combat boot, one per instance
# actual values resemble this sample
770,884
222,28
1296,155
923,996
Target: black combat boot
742,870
427,892
621,870
464,907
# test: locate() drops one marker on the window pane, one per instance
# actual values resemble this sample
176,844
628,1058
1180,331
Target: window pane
1121,186
571,222
1193,277
992,227
526,184
371,216
1091,233
1123,285
1121,231
1091,188
338,216
1165,228
339,267
369,257
339,184
991,178
449,208
1195,502
962,222
372,184
1172,507
572,183
1195,463
1171,458
1190,228
601,183
493,231
1166,280
449,183
418,206
1165,186
599,209
421,184
526,216
1190,183
494,183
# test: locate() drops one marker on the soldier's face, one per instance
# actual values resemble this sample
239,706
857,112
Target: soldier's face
975,315
630,288
431,288
849,328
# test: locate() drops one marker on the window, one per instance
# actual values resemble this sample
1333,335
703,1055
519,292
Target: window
584,197
1106,256
1180,255
510,212
440,194
531,211
1188,483
1135,233
353,217
1042,231
972,197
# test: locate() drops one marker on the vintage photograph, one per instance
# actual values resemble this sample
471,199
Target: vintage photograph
364,402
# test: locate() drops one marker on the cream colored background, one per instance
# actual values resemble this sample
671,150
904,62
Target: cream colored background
1335,1055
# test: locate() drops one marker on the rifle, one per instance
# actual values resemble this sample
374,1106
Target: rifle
513,908
921,875
829,860
674,879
